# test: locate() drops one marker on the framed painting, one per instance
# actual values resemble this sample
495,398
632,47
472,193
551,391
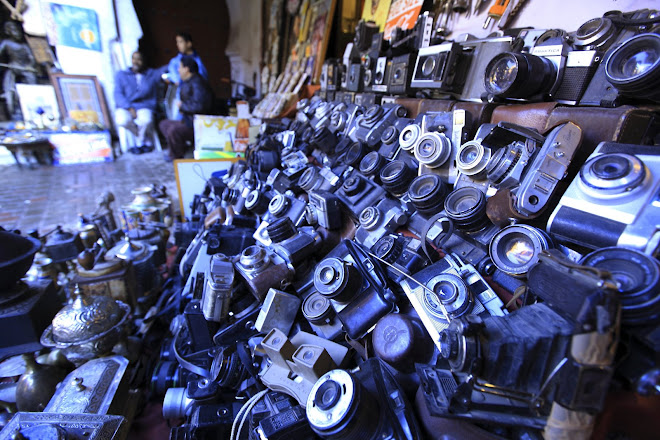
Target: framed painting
81,98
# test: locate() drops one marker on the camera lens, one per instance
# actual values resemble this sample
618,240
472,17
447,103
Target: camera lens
338,120
427,194
503,162
472,158
372,114
433,149
395,177
390,135
634,67
353,185
337,280
309,179
338,407
638,276
388,248
281,229
428,66
596,33
371,163
409,136
467,208
278,205
323,139
354,154
518,75
515,249
451,292
369,217
256,202
613,173
317,309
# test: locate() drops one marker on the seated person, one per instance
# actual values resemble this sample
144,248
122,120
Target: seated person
135,99
184,46
196,97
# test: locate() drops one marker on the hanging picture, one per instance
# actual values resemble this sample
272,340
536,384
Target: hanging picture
76,27
403,14
38,104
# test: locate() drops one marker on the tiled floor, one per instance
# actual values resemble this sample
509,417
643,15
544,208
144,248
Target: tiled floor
48,196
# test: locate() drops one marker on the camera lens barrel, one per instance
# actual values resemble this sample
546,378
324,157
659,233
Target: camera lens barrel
516,248
518,75
317,309
472,158
395,177
638,276
372,163
427,194
612,173
634,67
354,154
432,149
281,229
467,208
409,136
335,279
257,202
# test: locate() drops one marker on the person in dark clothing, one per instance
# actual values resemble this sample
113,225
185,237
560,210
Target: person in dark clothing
196,98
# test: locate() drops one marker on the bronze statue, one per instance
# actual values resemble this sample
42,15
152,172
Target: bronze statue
20,64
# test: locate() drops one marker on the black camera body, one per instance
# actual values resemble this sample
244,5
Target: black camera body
401,72
358,193
331,75
441,67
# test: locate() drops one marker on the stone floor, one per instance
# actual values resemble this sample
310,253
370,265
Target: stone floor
45,197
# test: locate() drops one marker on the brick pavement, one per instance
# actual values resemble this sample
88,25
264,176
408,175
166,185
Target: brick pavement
48,196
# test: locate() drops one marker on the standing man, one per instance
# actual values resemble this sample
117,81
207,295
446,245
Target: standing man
184,45
196,97
135,98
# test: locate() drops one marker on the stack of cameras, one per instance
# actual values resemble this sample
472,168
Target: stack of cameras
608,61
374,275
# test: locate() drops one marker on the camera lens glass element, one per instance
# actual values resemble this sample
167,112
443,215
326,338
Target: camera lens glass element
395,177
519,75
515,249
467,208
428,66
317,308
335,279
634,67
371,163
613,173
427,194
408,136
449,291
503,162
433,149
596,33
354,154
472,158
638,277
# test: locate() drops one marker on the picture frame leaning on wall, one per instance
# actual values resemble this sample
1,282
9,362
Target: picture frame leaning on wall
81,98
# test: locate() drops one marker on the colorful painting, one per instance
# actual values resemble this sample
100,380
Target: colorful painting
403,14
76,27
376,11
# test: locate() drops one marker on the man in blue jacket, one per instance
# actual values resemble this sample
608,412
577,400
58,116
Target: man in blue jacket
196,98
135,99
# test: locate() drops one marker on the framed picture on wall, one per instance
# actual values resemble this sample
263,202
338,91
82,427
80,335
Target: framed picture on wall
81,98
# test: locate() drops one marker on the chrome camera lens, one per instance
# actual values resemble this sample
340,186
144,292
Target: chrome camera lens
472,158
614,173
634,67
515,249
408,136
518,75
433,149
395,177
427,194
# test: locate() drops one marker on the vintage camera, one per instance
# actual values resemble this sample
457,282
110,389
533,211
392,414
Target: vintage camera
376,221
330,75
436,147
276,417
321,115
321,315
527,168
366,404
448,289
529,76
377,118
219,282
280,206
381,77
401,72
344,118
370,61
480,53
318,179
615,193
404,253
354,75
396,176
357,193
390,138
440,67
632,80
262,269
516,248
298,246
324,209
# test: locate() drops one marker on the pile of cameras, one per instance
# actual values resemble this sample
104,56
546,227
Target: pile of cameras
365,275
607,61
